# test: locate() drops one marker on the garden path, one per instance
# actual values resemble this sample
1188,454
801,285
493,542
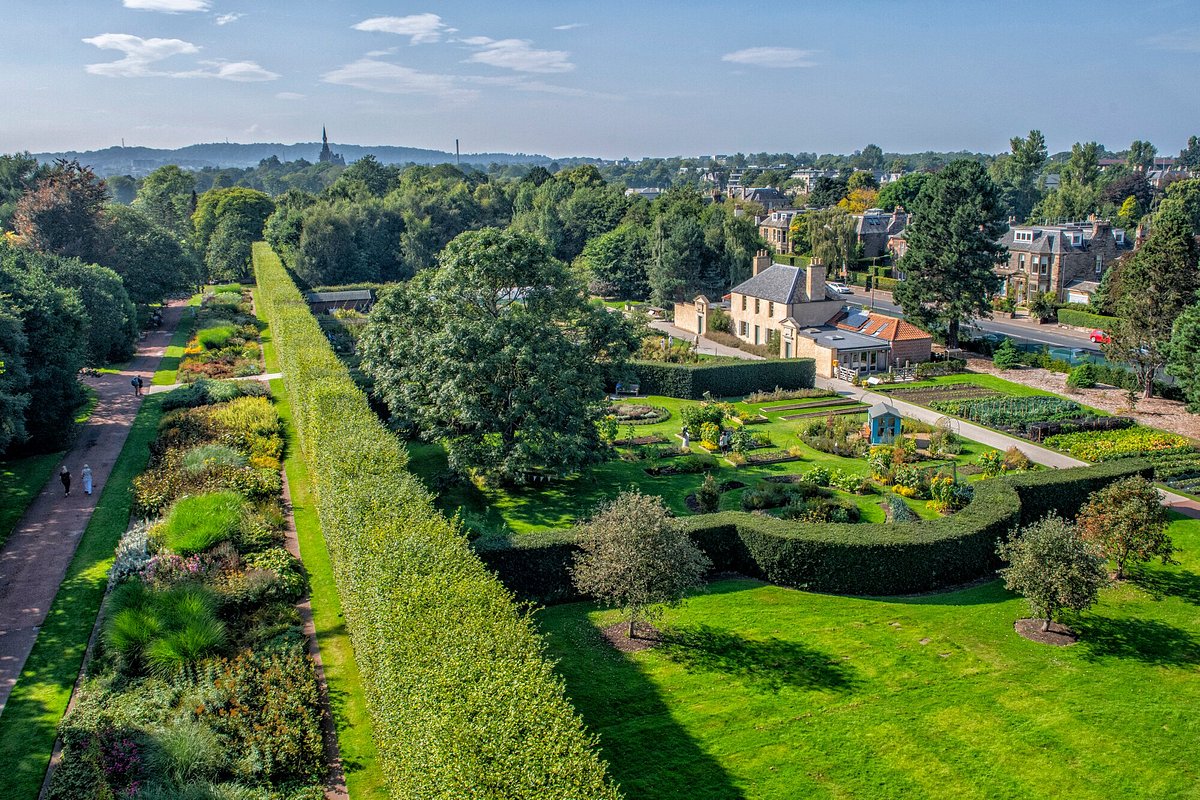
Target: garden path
707,346
34,560
269,376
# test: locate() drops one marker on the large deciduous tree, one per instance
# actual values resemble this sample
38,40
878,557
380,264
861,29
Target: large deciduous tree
952,250
149,258
14,379
1127,523
166,196
1151,288
616,261
1052,568
498,355
1183,362
1141,155
902,193
1017,173
226,223
833,238
62,213
635,556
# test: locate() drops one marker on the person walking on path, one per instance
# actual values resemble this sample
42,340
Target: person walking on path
137,384
64,475
86,475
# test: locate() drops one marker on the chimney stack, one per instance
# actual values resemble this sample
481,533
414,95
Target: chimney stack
762,260
814,280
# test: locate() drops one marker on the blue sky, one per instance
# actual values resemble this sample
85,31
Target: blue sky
613,79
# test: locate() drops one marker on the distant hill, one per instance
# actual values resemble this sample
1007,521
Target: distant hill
141,160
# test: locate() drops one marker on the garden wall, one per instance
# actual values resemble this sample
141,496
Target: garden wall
864,559
462,702
691,381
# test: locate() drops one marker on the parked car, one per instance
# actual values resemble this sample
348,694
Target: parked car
1100,337
839,288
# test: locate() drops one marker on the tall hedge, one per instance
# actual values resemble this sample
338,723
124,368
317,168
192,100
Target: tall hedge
462,700
691,381
1082,319
866,559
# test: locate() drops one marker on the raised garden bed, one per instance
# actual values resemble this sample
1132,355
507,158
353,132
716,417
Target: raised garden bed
639,413
755,420
830,403
835,412
640,440
768,458
927,395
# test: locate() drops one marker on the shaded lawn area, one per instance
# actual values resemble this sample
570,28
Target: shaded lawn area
44,686
562,502
349,705
777,693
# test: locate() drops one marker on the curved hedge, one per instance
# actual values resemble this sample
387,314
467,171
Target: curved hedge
864,559
691,381
462,701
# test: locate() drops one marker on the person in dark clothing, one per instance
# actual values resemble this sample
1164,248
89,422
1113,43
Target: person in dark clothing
64,475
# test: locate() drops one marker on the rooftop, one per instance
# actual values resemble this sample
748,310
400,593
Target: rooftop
778,283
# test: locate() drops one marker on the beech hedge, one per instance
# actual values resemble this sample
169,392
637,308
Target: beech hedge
461,697
862,559
1083,319
729,379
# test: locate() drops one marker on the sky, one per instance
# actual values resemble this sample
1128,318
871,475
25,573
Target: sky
604,78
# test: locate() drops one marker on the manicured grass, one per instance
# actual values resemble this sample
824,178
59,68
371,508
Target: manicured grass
776,693
363,776
39,699
167,367
992,382
563,502
270,354
20,481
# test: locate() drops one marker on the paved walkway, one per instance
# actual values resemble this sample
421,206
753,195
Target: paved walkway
36,556
707,346
269,376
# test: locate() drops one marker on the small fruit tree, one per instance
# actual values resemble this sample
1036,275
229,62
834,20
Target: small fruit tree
1053,568
1127,523
636,557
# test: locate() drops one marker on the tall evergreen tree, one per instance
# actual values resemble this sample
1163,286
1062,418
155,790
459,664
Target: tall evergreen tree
952,250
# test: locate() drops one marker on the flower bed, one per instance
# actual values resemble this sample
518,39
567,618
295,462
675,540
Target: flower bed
201,674
226,343
1125,443
830,403
639,414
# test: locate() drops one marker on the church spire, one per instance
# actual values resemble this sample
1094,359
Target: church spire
324,138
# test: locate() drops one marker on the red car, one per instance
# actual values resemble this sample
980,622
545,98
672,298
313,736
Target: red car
1100,337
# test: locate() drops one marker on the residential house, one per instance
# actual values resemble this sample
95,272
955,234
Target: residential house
776,229
768,197
647,192
874,227
1067,260
696,316
859,341
807,177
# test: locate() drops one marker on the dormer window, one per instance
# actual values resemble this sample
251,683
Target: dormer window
1023,236
1119,236
1076,239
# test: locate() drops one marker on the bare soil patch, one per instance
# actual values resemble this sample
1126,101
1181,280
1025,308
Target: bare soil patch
1058,635
647,636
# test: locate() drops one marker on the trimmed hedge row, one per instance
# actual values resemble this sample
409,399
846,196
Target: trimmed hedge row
691,381
462,701
864,559
1082,319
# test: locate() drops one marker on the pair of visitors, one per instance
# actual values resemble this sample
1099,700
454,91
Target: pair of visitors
724,441
64,475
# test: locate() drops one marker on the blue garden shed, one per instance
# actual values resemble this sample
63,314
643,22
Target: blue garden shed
884,420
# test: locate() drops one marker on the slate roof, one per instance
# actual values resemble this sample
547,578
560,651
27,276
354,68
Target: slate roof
778,283
1055,239
879,409
875,221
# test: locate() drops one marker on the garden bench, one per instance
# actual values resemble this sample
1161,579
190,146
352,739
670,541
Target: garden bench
631,389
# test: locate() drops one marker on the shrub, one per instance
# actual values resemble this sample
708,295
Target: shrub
195,524
898,510
1082,376
708,497
461,698
216,336
723,379
162,630
933,369
204,456
205,391
1006,355
1015,460
291,582
133,553
1082,319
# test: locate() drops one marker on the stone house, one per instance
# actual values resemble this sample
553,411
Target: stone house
875,227
778,292
776,229
1068,260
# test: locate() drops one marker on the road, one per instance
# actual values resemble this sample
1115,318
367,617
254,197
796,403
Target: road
1050,335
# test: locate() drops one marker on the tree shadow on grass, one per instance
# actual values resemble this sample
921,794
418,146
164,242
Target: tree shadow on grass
1145,640
1160,583
767,665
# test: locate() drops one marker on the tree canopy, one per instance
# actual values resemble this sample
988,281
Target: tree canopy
1052,568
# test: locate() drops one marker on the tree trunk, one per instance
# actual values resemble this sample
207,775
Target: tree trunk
1045,625
952,335
632,618
1149,388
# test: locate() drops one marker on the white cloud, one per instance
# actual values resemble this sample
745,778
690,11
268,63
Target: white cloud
771,57
289,96
1187,41
420,28
238,71
518,55
522,84
139,54
169,6
225,19
380,76
570,26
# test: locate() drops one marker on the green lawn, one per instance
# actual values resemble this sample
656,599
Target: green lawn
769,692
174,352
43,689
20,481
561,503
363,776
992,382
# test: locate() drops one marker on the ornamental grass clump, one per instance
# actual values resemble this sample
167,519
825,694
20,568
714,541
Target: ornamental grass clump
162,630
195,524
